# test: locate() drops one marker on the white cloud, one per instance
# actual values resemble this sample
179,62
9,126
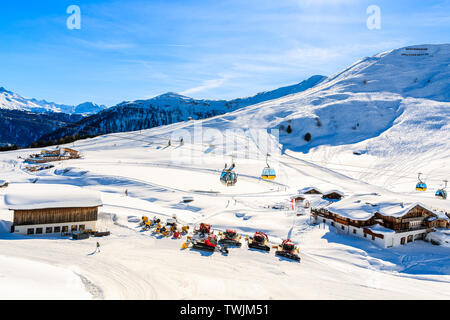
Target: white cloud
207,84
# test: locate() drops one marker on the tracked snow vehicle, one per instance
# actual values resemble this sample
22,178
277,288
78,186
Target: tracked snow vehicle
288,250
259,241
203,229
231,238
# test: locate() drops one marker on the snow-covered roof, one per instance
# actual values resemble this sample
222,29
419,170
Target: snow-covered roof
318,202
305,190
44,196
355,208
334,191
364,207
376,228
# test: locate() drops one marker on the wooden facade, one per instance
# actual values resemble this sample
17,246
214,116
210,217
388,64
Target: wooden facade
298,199
416,218
55,215
332,196
342,220
313,191
47,159
54,155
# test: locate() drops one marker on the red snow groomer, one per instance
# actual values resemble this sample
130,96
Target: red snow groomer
203,229
208,243
231,238
259,241
288,250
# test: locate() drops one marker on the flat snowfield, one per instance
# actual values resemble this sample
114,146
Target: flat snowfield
373,128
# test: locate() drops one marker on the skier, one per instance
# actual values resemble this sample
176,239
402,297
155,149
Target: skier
98,247
126,192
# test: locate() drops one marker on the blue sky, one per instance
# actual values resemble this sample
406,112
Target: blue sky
217,49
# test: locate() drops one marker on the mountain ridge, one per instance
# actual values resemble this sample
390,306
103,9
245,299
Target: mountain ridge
165,109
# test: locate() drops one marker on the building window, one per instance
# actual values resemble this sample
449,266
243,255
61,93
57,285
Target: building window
373,237
65,229
403,240
57,229
342,227
82,227
39,230
354,231
74,228
30,231
365,235
332,224
49,230
324,221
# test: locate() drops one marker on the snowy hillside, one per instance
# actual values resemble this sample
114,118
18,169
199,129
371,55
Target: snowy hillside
366,138
386,126
166,109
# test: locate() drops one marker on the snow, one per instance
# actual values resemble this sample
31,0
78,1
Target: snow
42,196
25,279
402,130
380,229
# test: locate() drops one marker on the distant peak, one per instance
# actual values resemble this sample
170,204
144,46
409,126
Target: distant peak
172,95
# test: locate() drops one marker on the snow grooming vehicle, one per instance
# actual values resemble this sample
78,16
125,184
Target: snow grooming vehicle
204,239
288,250
203,229
259,241
230,238
209,243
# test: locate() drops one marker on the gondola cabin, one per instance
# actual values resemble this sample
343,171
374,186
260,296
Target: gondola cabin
268,174
421,186
228,177
52,209
441,194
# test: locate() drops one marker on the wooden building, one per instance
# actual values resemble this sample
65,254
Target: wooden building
311,190
387,222
52,209
3,184
333,195
58,154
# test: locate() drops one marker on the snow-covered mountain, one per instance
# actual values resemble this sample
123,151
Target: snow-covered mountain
370,129
13,101
166,109
384,111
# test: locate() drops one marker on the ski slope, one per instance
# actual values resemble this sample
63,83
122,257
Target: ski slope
403,129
